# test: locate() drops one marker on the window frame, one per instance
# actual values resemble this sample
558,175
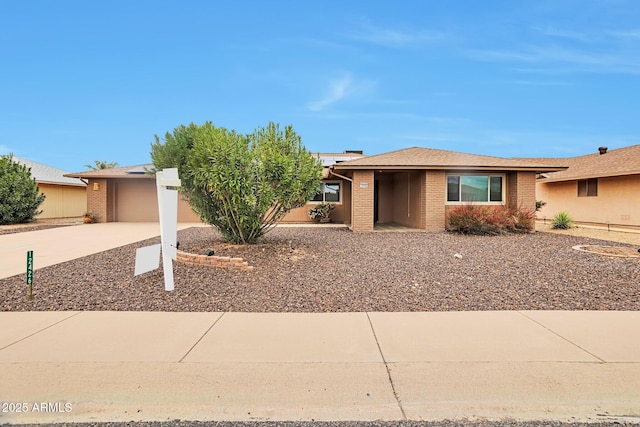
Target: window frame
322,184
588,186
502,202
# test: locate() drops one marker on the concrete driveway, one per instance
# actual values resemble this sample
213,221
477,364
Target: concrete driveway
56,245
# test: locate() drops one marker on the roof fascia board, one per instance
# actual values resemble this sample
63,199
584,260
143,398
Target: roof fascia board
475,168
63,184
580,177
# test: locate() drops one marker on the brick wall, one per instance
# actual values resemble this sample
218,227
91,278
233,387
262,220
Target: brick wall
213,261
362,201
97,199
522,190
435,196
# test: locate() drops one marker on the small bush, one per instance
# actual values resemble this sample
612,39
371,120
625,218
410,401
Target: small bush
562,221
490,220
321,212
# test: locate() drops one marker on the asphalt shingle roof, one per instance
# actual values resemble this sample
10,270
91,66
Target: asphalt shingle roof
44,174
430,158
621,161
136,171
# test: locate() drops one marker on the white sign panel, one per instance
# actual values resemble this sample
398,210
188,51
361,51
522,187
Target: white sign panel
147,259
167,182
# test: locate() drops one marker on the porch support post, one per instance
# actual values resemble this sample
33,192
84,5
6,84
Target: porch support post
362,201
436,193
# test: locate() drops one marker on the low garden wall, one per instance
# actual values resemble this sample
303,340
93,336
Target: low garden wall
213,261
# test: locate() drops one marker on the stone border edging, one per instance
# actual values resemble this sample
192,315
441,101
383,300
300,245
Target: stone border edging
582,249
213,261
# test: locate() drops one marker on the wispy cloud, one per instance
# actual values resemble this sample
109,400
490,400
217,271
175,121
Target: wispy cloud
540,83
342,88
337,90
564,34
393,37
625,34
563,59
4,150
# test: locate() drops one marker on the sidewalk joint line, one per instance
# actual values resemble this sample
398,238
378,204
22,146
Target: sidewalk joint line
40,330
386,366
560,336
202,337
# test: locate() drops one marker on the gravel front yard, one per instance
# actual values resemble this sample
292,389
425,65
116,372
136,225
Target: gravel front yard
332,269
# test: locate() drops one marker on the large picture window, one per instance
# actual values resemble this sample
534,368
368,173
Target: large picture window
328,192
475,188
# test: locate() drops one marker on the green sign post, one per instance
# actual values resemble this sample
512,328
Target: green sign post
30,274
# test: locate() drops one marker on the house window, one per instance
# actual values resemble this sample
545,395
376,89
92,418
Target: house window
588,187
475,188
328,192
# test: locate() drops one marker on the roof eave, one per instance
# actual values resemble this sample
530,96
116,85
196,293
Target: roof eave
452,167
579,177
94,176
72,184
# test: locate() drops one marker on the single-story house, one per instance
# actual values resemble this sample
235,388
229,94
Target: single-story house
417,187
65,197
599,188
414,187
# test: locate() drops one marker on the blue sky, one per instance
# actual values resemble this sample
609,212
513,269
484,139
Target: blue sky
85,80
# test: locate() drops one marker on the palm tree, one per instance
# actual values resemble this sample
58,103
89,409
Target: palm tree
101,164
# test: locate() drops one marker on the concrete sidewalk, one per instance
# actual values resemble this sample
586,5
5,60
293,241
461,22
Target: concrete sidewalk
123,366
61,244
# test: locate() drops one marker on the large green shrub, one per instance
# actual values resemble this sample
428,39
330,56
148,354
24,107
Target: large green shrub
241,184
19,193
490,220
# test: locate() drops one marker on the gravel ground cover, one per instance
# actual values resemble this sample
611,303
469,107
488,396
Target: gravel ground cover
335,270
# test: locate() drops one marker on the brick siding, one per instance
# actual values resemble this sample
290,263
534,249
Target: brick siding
522,190
97,199
435,196
362,201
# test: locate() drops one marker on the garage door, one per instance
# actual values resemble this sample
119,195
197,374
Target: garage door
137,201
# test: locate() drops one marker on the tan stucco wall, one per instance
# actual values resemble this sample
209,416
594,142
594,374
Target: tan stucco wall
401,198
408,202
617,202
62,201
386,203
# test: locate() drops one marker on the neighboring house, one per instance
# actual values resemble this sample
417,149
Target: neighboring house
414,187
126,194
598,188
64,197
